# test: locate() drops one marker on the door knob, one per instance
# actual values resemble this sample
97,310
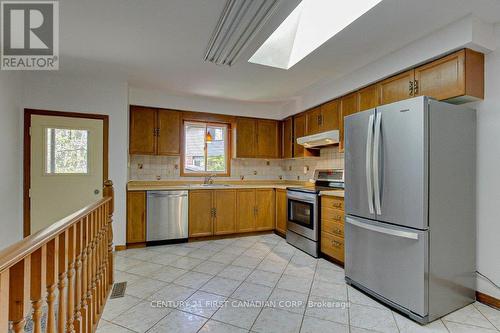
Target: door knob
96,191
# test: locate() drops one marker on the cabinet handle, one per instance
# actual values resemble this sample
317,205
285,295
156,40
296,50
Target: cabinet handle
338,218
337,204
411,88
415,88
215,212
338,231
336,244
154,131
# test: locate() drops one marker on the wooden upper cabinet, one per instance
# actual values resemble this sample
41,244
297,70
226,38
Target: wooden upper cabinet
267,139
246,129
313,121
287,138
299,130
330,116
168,136
396,88
200,213
281,211
458,76
142,131
265,203
225,211
245,214
368,98
348,105
136,217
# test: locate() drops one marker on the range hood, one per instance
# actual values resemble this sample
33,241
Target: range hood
319,140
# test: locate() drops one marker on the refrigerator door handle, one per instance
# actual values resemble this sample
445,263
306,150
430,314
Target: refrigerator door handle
369,164
376,180
392,232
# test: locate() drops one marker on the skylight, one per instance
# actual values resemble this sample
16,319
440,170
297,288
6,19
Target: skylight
311,24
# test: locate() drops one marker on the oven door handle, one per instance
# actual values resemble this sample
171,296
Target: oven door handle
301,199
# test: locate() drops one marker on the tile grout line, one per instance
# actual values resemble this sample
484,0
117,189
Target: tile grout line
479,310
308,296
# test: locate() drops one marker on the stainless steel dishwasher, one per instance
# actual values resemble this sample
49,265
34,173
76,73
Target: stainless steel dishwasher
167,216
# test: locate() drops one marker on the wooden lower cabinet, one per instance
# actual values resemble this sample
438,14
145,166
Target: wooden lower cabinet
281,211
332,227
200,213
225,212
265,204
255,210
245,214
136,217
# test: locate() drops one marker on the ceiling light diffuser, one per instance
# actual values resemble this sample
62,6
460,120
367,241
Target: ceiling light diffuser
309,26
240,21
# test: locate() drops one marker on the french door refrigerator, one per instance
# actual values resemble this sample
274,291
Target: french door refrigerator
410,206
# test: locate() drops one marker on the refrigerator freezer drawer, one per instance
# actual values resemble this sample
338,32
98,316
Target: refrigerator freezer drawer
388,260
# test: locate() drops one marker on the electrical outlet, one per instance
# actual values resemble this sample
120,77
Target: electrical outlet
242,177
306,169
268,163
255,172
176,167
281,177
158,177
140,166
289,168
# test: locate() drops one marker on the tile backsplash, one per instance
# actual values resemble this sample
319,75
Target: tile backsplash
144,167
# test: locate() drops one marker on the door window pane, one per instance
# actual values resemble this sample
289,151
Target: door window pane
67,151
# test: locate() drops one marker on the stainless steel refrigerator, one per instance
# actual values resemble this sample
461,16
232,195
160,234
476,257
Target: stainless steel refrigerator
410,230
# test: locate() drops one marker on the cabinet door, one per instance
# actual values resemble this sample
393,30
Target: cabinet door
142,131
348,105
368,98
330,116
287,137
136,217
225,212
444,78
169,123
313,121
245,210
281,212
200,213
267,139
265,202
246,129
396,88
299,130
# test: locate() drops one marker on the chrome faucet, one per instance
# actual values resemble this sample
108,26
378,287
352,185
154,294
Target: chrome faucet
209,179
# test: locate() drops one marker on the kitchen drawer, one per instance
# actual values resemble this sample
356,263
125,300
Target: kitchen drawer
332,202
333,246
335,215
332,227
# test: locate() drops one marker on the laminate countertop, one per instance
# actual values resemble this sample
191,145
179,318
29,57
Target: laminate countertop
177,185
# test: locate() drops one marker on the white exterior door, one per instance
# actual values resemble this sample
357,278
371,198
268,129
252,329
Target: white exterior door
66,169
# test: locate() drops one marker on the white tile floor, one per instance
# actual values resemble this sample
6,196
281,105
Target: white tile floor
219,286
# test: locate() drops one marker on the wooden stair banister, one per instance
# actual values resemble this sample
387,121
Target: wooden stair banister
73,255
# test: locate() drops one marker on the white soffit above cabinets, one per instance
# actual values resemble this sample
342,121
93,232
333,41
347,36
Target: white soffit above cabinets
311,24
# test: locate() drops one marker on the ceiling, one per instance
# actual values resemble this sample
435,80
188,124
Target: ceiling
160,44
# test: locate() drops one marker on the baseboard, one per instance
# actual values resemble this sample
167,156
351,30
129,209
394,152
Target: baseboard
488,300
120,247
233,235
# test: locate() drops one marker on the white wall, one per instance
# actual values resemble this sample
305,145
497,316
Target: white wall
10,169
488,176
161,99
53,91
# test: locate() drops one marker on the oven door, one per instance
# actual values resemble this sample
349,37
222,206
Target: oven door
303,214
